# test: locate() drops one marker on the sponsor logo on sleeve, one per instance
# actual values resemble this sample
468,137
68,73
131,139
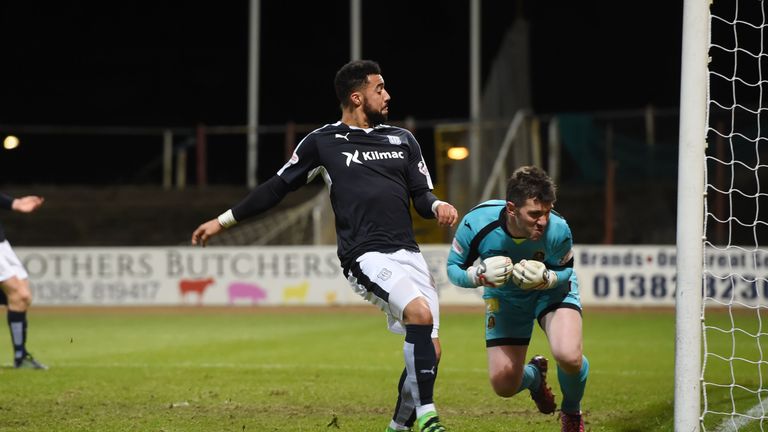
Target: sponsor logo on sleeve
457,247
423,168
566,258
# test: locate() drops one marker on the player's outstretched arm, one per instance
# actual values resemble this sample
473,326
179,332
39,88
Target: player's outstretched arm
263,197
205,231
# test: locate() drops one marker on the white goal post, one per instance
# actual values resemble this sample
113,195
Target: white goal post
721,345
690,199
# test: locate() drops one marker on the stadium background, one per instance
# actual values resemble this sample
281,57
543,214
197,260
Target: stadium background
89,89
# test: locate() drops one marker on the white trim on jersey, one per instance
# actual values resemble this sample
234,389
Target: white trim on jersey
294,157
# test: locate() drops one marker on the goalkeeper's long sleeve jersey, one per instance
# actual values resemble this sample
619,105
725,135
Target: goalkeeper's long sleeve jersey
483,233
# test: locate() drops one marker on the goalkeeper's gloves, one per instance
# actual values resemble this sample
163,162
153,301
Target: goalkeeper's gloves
491,272
533,275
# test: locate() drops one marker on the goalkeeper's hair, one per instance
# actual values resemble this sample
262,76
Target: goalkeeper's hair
530,182
352,77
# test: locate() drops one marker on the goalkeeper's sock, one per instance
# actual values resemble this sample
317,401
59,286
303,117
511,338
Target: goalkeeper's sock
531,379
420,362
572,387
17,322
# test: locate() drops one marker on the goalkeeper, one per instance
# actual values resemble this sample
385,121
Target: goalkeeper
520,251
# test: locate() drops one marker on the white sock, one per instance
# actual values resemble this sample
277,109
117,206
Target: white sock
421,410
397,426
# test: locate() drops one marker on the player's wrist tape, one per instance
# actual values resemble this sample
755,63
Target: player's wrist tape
227,219
435,204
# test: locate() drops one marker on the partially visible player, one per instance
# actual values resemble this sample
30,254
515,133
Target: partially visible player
541,285
14,285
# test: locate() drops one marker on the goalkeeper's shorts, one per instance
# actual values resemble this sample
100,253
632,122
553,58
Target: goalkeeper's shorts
391,281
509,316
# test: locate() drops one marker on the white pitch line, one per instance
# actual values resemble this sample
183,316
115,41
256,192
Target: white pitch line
735,423
265,366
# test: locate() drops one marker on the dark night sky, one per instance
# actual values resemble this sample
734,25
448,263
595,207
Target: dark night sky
183,63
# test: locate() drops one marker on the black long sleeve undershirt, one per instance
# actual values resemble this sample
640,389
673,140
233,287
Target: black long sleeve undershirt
262,198
423,204
6,202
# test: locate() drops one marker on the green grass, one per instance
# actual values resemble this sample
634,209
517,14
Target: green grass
253,370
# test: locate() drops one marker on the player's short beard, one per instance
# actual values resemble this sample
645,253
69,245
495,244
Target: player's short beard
375,118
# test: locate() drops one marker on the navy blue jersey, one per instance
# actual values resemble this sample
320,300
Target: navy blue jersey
372,175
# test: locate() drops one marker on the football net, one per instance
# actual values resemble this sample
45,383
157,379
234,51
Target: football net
734,322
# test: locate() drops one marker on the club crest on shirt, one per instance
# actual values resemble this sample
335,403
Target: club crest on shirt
384,274
394,139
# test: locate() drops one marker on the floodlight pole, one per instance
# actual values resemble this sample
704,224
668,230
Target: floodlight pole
252,157
355,29
474,95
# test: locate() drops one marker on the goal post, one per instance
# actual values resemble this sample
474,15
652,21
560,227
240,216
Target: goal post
690,214
721,341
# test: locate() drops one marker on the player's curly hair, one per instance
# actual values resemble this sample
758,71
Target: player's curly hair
353,76
530,182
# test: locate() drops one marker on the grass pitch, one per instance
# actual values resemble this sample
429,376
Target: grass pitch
245,369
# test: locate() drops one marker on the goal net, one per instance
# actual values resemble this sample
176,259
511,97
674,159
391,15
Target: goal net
734,322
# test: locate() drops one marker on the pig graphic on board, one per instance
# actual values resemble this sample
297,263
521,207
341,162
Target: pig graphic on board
246,291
